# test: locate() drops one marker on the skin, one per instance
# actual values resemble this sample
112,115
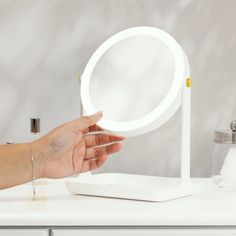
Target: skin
72,148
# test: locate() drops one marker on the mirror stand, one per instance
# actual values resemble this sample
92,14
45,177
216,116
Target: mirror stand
185,131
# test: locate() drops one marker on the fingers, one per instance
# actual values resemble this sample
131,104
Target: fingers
100,139
85,122
93,128
96,152
93,157
89,165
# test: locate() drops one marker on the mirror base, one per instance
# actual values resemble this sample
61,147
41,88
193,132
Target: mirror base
133,187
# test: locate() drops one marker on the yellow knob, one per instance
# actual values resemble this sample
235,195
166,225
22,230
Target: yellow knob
188,82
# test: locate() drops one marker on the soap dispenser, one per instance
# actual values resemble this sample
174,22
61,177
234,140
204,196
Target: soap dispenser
224,158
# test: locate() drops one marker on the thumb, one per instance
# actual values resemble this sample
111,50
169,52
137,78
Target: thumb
85,122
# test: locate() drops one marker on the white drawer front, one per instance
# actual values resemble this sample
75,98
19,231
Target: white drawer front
23,232
145,232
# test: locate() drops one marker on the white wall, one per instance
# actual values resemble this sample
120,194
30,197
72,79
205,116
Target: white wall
44,46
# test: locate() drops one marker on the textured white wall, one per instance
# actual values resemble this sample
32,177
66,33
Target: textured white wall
44,46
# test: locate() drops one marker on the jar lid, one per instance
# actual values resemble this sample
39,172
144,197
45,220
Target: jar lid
226,136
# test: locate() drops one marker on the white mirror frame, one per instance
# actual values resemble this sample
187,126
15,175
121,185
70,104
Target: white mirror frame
167,107
178,94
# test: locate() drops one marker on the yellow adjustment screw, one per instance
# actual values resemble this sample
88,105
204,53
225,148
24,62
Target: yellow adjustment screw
189,82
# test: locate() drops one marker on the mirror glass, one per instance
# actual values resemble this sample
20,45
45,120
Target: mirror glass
131,78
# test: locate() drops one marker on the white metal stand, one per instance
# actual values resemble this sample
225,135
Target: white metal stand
185,132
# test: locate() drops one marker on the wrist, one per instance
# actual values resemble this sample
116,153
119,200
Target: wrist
39,160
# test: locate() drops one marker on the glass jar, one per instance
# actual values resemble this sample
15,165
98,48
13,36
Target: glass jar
224,157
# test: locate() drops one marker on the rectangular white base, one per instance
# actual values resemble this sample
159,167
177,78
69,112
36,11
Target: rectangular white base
127,186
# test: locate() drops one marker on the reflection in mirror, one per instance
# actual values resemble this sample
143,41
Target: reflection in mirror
132,78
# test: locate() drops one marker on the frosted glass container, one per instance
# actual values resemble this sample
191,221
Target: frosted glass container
224,157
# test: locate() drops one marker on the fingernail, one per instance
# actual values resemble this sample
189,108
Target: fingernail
121,145
97,113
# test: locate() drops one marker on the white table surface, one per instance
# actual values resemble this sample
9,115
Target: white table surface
55,206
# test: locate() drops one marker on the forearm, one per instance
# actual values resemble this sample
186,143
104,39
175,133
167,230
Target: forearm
16,166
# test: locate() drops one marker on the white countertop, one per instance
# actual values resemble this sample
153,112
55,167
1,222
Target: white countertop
57,207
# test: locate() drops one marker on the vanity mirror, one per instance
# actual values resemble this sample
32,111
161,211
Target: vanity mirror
139,78
135,78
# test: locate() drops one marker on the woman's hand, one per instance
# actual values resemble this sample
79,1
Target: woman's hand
74,148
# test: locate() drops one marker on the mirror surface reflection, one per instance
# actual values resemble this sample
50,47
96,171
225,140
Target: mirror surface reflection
132,78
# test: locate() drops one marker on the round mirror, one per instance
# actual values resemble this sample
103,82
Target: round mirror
136,79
